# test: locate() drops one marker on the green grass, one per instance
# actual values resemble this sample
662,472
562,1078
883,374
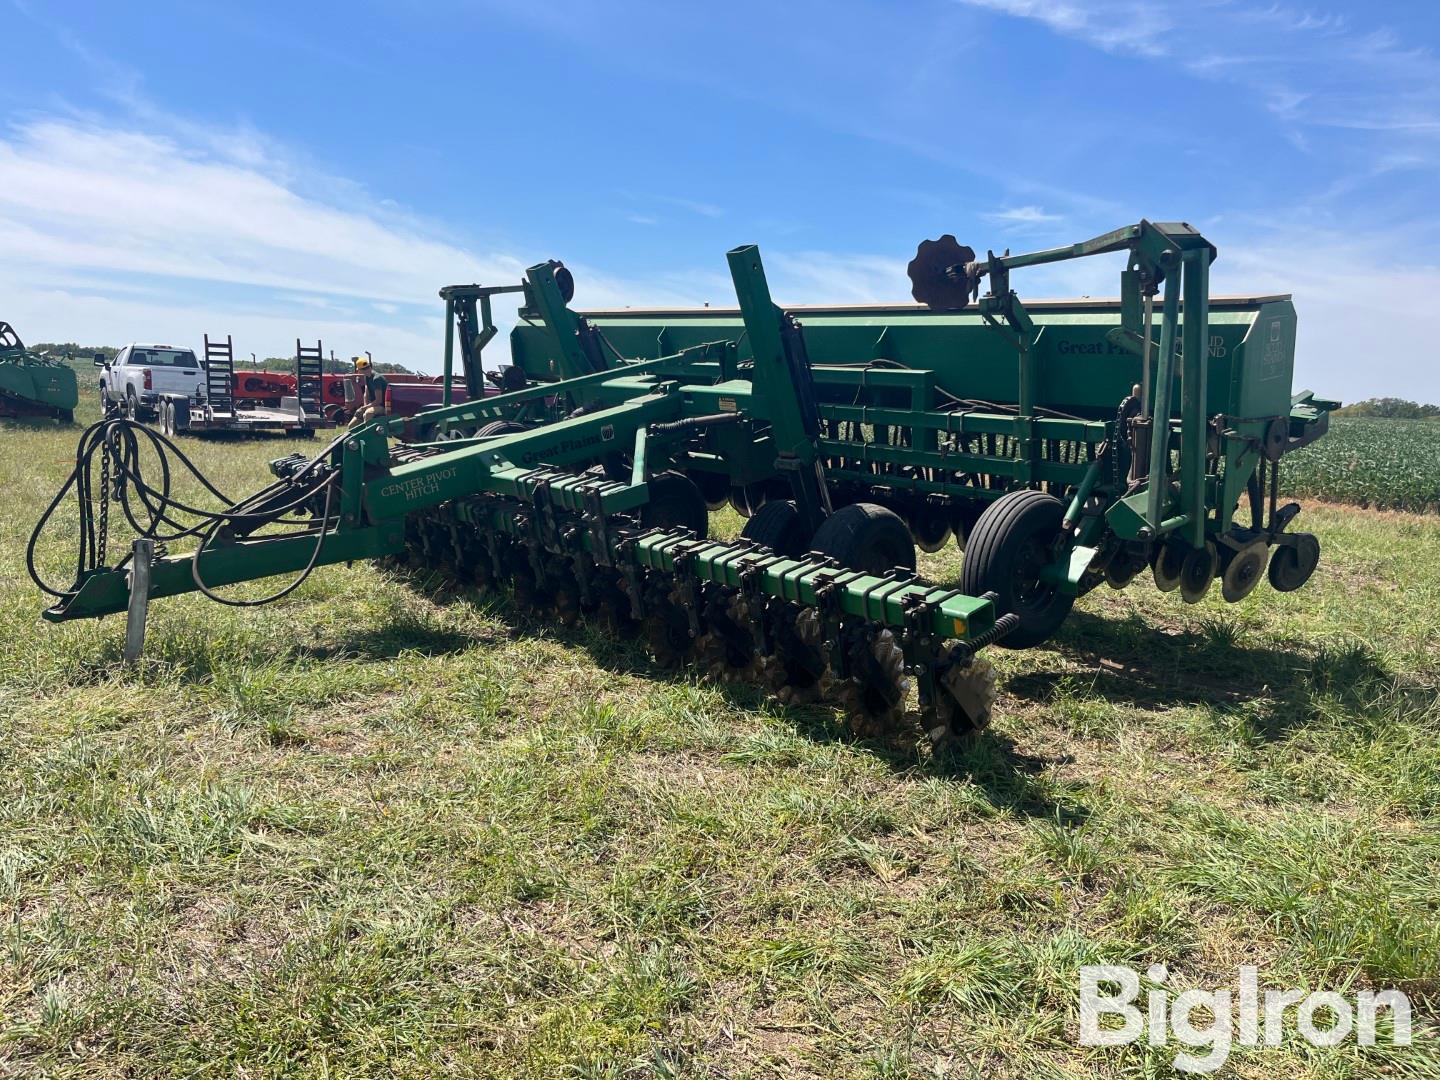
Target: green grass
390,830
1382,463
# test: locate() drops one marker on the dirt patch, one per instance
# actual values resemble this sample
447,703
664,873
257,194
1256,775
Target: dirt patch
1408,516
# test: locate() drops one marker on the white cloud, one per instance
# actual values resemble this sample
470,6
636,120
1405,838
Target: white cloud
694,206
821,277
117,234
1389,86
130,202
1113,25
1022,215
1367,320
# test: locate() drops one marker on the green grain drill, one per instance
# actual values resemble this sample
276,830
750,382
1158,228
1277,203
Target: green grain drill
32,385
1062,444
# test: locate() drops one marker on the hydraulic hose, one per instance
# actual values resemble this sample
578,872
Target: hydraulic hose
152,510
325,522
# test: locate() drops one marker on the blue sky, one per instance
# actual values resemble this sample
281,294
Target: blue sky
284,170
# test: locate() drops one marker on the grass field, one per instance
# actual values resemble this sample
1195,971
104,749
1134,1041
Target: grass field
389,828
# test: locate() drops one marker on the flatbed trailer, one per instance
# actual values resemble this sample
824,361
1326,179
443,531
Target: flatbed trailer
226,412
176,416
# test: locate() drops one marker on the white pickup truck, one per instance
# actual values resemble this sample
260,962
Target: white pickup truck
134,381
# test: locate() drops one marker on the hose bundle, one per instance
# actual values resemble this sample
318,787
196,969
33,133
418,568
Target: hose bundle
112,464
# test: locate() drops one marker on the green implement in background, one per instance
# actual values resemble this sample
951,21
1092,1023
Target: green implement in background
34,385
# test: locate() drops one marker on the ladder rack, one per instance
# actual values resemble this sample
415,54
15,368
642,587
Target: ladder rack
220,374
309,367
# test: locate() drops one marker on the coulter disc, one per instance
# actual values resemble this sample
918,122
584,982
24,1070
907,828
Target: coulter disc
726,650
796,671
1291,566
1197,572
873,699
930,525
1168,565
967,704
667,628
1247,567
1122,570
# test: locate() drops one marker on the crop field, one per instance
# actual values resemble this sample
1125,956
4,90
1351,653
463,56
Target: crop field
392,827
1381,463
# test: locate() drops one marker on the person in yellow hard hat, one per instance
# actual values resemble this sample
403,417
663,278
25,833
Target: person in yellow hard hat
372,392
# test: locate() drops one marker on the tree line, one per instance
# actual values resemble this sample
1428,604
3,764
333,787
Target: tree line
1391,408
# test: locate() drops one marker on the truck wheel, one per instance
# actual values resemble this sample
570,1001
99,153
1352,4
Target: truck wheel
675,502
1011,543
132,406
866,537
162,416
779,527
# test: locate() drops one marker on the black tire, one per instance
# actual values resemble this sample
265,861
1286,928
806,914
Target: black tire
675,502
963,523
501,427
714,487
428,432
779,526
1004,552
866,537
132,406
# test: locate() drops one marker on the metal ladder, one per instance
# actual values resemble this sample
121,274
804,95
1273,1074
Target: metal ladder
220,374
309,367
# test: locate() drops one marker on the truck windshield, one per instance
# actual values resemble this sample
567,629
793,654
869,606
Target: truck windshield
164,357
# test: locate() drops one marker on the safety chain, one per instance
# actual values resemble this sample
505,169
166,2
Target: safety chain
102,541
